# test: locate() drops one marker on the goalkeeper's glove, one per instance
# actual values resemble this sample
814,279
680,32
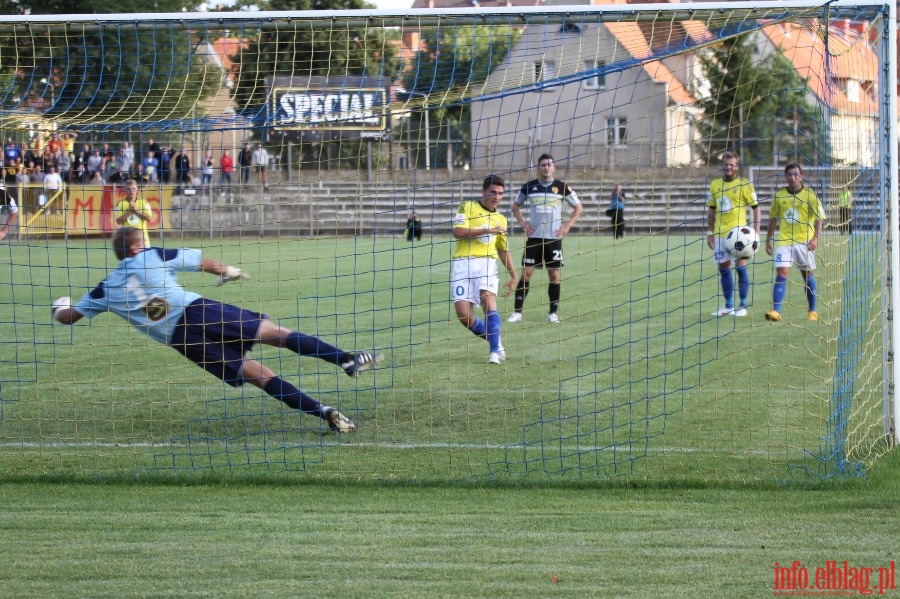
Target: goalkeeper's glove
60,304
231,274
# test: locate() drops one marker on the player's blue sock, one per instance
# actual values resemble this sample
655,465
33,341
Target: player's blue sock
479,329
811,288
743,284
727,286
493,330
292,397
306,345
778,291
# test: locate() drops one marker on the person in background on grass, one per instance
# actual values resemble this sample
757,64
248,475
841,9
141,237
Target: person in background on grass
413,227
480,233
144,290
616,212
797,212
729,197
545,229
134,212
845,207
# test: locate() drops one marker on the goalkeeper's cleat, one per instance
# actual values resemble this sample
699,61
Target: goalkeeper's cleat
553,317
742,311
359,361
337,421
773,315
494,358
515,317
726,311
812,315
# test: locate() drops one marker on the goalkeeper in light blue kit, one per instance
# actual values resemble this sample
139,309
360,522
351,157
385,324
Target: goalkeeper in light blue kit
727,203
798,213
144,290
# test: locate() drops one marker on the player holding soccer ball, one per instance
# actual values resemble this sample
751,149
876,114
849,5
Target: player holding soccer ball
480,233
798,213
729,197
144,290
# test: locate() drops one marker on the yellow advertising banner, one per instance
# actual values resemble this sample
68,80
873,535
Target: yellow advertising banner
90,208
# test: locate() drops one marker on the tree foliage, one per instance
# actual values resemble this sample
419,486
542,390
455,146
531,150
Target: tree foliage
112,72
306,48
761,108
456,60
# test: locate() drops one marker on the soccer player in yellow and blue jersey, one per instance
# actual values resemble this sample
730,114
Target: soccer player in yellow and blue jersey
134,212
798,213
729,197
480,233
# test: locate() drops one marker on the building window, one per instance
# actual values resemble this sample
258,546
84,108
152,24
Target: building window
598,81
852,89
615,131
544,70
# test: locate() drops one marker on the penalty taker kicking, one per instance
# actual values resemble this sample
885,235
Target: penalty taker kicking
144,290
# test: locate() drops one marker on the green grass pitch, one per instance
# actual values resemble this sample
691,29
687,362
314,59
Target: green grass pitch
638,381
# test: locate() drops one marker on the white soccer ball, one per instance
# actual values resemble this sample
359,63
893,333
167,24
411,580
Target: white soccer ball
742,242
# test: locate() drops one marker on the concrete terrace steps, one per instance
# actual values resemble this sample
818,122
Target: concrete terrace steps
354,207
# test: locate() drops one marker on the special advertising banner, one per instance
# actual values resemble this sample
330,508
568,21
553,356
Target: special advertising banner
317,108
91,208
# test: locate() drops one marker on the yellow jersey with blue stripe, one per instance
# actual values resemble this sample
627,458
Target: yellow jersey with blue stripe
731,200
797,214
472,215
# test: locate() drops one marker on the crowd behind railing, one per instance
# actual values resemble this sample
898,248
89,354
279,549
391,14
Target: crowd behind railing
58,161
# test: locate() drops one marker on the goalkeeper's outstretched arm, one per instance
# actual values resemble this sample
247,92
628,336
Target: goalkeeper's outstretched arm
226,273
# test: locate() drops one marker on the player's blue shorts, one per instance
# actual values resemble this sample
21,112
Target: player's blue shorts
216,337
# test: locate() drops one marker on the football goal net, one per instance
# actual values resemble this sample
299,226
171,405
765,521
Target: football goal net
331,155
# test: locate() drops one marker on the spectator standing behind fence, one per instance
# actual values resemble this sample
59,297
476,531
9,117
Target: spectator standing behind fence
149,167
183,169
8,211
845,207
207,166
128,155
65,166
261,162
165,164
11,152
94,163
226,164
616,212
245,159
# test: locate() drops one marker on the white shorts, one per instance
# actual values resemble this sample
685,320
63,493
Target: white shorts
720,255
469,276
798,253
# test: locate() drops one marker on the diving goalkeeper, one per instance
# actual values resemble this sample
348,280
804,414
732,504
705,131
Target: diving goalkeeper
144,290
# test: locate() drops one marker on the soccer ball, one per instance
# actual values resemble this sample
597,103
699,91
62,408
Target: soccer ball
742,242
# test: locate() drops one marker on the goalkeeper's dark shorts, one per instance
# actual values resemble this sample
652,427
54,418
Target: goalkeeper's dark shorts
216,337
